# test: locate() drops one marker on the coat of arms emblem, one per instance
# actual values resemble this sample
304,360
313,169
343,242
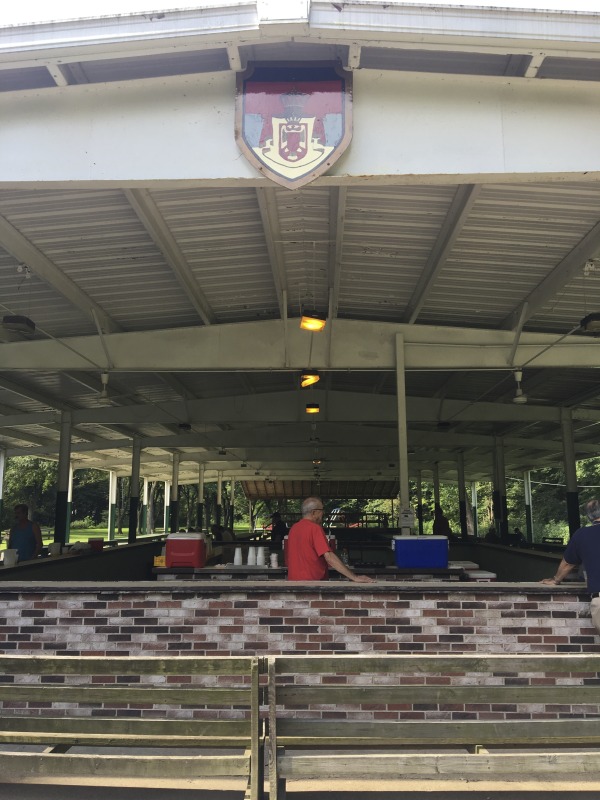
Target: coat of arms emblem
293,121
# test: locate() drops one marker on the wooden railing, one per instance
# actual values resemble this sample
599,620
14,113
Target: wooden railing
429,711
64,702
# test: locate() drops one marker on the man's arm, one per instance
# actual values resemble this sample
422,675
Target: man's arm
334,562
38,539
561,573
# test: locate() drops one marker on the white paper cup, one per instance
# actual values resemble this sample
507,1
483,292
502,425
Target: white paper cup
237,556
274,560
251,557
54,548
11,557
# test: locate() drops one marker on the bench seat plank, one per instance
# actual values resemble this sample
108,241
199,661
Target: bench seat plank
302,733
120,740
432,765
17,766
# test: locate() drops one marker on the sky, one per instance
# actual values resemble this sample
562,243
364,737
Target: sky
44,10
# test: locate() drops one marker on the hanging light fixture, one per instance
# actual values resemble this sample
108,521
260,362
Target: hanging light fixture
309,377
312,321
312,408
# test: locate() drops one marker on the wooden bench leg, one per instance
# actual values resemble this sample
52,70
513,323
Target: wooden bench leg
277,784
255,788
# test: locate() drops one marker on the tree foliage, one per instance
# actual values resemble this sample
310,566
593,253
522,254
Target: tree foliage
33,481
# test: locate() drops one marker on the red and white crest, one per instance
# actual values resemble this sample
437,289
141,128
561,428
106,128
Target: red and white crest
293,121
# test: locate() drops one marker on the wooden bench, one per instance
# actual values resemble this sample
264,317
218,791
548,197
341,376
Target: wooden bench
61,702
429,697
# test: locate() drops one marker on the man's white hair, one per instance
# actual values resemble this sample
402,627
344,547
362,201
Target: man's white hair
310,504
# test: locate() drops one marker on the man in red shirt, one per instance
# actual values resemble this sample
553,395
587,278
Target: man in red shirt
309,555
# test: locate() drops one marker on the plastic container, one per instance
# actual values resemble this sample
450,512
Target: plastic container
421,551
481,575
185,550
96,545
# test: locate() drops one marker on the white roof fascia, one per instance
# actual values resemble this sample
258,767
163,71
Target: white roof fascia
222,21
417,22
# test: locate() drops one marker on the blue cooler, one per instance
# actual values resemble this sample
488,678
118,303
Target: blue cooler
421,551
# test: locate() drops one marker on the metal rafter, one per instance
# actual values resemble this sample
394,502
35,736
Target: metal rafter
561,275
149,215
267,205
24,251
459,210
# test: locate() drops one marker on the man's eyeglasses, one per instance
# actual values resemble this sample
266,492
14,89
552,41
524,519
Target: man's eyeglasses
319,509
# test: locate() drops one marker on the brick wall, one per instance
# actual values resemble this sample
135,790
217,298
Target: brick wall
276,619
189,619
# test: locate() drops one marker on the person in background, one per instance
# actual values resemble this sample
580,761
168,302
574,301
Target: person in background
278,531
25,536
584,548
441,526
309,555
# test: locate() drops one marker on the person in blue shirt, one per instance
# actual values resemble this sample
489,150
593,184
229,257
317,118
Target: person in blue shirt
584,549
25,536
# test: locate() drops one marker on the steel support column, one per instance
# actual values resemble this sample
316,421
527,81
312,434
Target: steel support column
134,499
2,470
573,517
174,526
462,495
420,502
64,467
167,506
528,506
200,504
219,498
474,509
112,504
500,490
402,430
144,514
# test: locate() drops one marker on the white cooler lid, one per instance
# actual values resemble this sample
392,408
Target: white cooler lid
185,536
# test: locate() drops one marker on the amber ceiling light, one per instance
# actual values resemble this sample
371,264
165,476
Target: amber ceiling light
312,321
309,377
312,408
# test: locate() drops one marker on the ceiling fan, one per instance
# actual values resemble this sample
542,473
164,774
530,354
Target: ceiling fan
520,397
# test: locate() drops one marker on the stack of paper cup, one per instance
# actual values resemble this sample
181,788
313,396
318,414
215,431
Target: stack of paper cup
237,556
274,560
251,557
260,557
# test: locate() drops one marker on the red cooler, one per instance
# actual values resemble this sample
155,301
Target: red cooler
185,550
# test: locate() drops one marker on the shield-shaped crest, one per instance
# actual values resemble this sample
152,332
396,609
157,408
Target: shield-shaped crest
293,121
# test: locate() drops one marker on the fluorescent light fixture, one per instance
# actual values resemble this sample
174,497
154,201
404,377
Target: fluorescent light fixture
309,377
312,321
312,408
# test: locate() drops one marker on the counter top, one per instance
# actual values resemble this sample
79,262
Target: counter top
210,587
